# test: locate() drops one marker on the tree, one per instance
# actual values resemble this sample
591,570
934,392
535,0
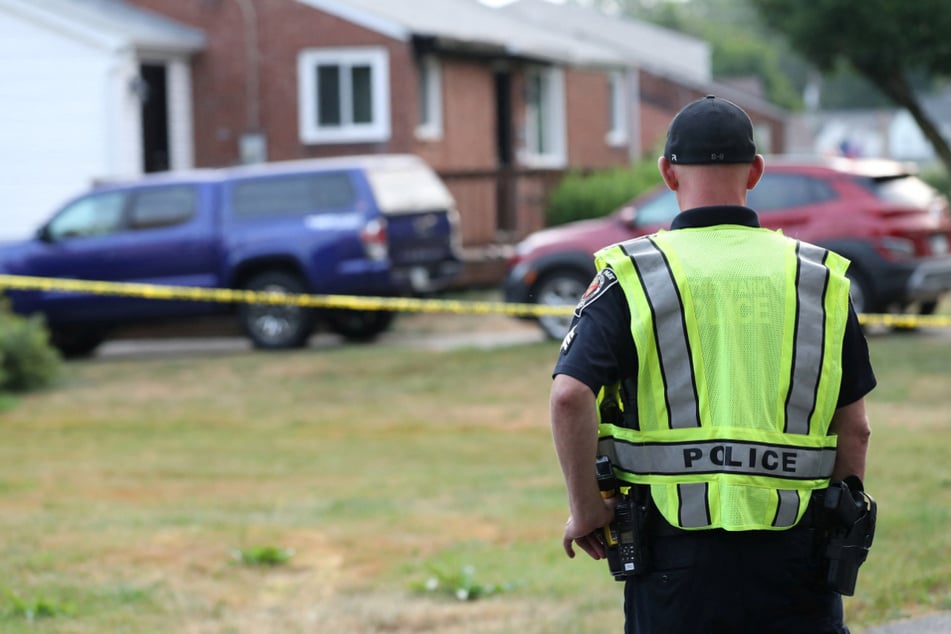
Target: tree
888,42
739,44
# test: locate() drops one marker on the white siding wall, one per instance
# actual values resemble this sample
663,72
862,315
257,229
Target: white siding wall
64,119
180,130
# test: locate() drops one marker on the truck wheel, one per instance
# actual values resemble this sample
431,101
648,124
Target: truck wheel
276,326
860,293
563,287
360,325
75,343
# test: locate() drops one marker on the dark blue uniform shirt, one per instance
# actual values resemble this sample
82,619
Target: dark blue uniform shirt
599,349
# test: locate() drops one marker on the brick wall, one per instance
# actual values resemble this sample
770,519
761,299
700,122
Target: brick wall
588,119
224,106
469,118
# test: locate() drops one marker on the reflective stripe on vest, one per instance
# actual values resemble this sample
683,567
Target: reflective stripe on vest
811,281
670,330
681,448
790,462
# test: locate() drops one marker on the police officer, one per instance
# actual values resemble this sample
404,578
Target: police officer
740,371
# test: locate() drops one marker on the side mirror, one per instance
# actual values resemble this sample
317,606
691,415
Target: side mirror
628,214
43,234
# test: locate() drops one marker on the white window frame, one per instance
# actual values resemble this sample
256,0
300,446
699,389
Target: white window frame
348,132
545,130
430,95
763,136
617,110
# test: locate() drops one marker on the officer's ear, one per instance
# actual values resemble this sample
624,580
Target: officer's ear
667,173
757,167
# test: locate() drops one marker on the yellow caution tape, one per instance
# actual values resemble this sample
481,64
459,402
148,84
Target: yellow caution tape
905,321
228,295
359,302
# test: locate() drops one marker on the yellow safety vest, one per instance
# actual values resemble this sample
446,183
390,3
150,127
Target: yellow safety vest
738,334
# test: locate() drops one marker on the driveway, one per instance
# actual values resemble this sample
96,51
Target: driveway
431,331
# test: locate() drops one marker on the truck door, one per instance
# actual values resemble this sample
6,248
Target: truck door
149,235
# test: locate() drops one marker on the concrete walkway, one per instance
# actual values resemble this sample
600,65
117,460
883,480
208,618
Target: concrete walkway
939,623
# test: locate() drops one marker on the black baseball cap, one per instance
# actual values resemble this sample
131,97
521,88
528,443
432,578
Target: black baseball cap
710,131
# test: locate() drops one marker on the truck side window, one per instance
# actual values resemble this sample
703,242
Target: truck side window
94,215
296,194
162,207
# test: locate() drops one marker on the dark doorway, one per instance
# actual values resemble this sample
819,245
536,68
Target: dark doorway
503,110
154,95
505,194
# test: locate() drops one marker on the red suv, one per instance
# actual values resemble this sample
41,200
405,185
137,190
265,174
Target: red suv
894,228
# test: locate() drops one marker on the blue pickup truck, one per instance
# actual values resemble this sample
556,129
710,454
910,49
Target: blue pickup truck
367,225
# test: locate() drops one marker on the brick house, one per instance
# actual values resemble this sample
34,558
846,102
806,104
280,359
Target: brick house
499,107
665,70
499,101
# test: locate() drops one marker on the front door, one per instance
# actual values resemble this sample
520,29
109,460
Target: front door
155,138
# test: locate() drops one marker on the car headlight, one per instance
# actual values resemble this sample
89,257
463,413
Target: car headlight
939,244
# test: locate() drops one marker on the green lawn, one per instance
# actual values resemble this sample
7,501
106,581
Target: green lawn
128,491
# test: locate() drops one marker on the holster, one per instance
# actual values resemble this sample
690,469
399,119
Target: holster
845,523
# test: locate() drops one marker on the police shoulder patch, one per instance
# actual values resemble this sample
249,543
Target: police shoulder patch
605,279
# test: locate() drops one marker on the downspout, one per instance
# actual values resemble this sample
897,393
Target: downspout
253,140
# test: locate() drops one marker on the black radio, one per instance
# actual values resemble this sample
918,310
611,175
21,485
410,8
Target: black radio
625,537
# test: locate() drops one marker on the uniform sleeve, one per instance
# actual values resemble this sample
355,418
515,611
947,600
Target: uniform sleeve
599,348
858,378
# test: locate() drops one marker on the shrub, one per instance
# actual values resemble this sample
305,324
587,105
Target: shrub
579,196
27,361
938,178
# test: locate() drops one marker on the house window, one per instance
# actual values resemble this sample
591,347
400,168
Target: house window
617,110
344,95
544,118
430,99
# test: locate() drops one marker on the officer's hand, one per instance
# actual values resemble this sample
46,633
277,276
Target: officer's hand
587,531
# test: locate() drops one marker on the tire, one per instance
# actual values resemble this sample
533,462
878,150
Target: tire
76,343
923,308
928,308
360,325
276,326
563,287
